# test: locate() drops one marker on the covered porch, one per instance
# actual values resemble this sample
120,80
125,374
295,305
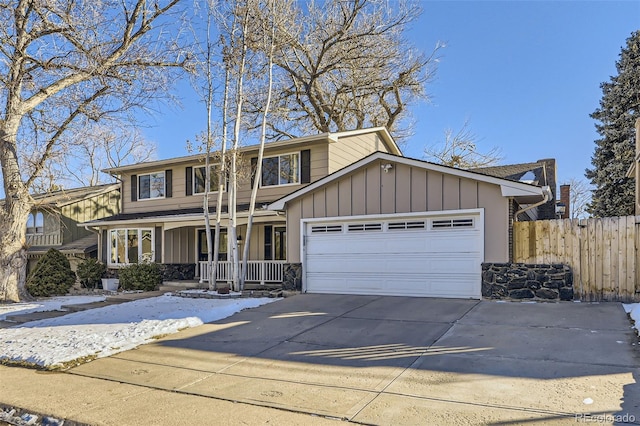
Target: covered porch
178,241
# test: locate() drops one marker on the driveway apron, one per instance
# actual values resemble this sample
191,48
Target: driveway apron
401,360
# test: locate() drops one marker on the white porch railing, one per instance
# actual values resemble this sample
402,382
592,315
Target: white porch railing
261,271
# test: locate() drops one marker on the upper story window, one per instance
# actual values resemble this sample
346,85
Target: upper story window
200,178
35,223
281,170
151,185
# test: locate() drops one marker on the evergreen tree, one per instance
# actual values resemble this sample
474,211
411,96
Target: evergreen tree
615,150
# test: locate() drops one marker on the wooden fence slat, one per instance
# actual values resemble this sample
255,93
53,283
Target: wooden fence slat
602,253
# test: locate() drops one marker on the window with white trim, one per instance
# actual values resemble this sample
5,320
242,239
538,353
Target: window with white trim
151,185
35,223
326,228
200,178
362,227
131,246
452,223
281,170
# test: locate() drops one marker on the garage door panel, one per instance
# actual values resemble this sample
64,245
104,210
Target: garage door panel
391,260
410,285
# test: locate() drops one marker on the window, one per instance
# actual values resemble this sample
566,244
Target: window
452,223
275,242
202,244
131,246
35,223
365,227
151,186
281,170
326,228
200,177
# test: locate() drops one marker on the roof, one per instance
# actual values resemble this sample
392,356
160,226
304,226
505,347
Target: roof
326,137
515,172
82,245
175,215
67,196
509,188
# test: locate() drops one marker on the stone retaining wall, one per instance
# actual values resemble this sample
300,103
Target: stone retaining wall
525,281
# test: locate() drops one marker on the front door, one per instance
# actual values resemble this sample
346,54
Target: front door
202,244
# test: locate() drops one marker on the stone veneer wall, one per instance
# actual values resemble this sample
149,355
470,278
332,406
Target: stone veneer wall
525,281
292,276
178,271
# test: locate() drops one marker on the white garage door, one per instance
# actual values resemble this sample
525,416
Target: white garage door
434,256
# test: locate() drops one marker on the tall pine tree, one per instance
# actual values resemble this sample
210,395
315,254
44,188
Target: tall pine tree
615,150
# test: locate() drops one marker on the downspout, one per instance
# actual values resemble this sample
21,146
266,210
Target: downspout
546,193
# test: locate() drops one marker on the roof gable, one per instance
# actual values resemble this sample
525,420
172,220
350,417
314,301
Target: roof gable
508,187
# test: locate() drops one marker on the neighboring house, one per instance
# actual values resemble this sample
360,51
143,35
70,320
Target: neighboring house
53,221
344,212
162,218
541,173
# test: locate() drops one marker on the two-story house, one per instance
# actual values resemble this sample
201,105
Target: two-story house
345,212
53,221
162,204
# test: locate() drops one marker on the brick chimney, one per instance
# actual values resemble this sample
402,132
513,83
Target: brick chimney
565,198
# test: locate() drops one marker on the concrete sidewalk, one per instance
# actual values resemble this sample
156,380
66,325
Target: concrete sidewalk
365,359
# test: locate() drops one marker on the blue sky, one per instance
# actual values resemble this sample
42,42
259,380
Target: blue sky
526,75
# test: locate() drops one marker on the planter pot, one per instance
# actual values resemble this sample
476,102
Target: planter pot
110,284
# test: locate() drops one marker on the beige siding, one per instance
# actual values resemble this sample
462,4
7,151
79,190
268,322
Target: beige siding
333,201
406,189
358,195
418,193
348,150
294,214
180,200
180,245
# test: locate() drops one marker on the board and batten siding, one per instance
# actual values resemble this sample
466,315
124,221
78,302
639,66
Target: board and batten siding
180,199
91,208
404,189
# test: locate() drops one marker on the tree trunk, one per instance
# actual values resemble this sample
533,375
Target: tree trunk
13,217
13,274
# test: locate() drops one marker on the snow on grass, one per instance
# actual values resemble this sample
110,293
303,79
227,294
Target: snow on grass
633,309
52,304
96,333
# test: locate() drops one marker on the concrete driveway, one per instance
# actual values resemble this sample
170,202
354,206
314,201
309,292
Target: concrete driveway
397,360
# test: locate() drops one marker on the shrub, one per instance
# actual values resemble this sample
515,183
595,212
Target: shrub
140,276
90,272
52,275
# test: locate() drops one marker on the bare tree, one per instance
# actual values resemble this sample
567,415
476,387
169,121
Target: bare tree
265,40
61,62
580,194
459,149
344,65
97,147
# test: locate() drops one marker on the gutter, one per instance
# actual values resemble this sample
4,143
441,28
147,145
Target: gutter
548,196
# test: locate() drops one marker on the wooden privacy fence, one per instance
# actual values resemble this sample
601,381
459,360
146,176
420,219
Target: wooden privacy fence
602,252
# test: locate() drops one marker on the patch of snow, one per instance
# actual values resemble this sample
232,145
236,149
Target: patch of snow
112,329
51,304
587,401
